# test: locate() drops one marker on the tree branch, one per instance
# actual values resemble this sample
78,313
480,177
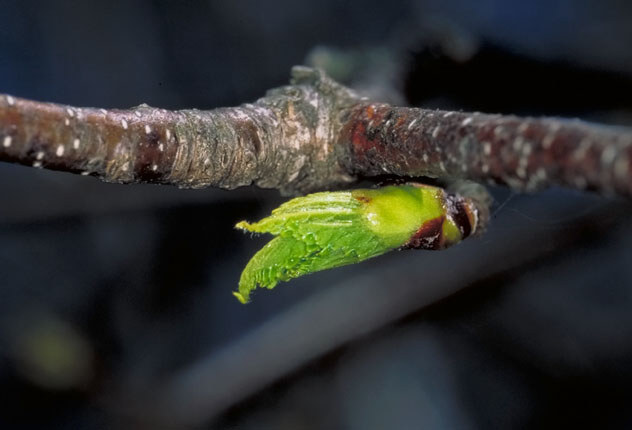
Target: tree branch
282,141
313,134
523,153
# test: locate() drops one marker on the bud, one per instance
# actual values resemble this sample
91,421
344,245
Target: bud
330,229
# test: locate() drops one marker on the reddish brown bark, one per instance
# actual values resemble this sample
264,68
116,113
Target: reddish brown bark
524,153
314,134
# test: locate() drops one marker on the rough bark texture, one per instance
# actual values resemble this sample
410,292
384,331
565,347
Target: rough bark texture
284,140
311,135
524,153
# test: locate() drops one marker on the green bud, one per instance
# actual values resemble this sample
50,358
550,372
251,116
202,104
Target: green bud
330,229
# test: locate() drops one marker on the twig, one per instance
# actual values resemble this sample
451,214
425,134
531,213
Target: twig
313,134
524,153
282,141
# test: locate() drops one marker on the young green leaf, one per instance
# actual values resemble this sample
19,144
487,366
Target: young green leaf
330,229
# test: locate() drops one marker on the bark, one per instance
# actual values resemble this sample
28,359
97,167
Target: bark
313,134
284,140
526,154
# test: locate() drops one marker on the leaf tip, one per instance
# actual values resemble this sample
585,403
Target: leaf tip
243,299
243,225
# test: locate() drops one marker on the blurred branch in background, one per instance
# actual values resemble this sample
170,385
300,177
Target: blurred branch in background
324,322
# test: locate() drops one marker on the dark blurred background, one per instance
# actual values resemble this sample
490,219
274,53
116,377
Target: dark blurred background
115,304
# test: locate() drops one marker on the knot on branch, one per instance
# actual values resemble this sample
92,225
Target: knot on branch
312,111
